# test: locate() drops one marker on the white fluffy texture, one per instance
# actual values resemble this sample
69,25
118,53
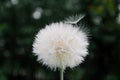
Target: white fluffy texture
60,44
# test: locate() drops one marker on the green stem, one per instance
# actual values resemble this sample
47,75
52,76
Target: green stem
62,73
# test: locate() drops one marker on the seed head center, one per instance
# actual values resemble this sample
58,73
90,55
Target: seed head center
60,47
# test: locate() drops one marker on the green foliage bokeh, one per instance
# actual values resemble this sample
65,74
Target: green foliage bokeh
18,28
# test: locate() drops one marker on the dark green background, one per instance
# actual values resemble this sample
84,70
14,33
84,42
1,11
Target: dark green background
18,29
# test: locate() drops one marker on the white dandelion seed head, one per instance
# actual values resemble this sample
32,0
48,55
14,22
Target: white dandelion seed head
61,44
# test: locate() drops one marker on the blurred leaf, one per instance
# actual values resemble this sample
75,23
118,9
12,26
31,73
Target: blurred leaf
3,28
2,77
111,77
76,74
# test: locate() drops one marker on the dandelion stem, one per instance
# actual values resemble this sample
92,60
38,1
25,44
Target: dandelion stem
62,73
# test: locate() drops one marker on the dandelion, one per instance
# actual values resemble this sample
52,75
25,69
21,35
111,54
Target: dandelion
61,45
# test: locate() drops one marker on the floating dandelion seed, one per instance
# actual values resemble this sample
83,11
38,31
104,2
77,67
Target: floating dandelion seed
74,19
14,2
61,45
37,13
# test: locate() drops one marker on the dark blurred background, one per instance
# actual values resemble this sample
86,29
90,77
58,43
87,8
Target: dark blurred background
20,20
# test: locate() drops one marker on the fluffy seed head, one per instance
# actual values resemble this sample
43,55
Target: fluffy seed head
61,44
